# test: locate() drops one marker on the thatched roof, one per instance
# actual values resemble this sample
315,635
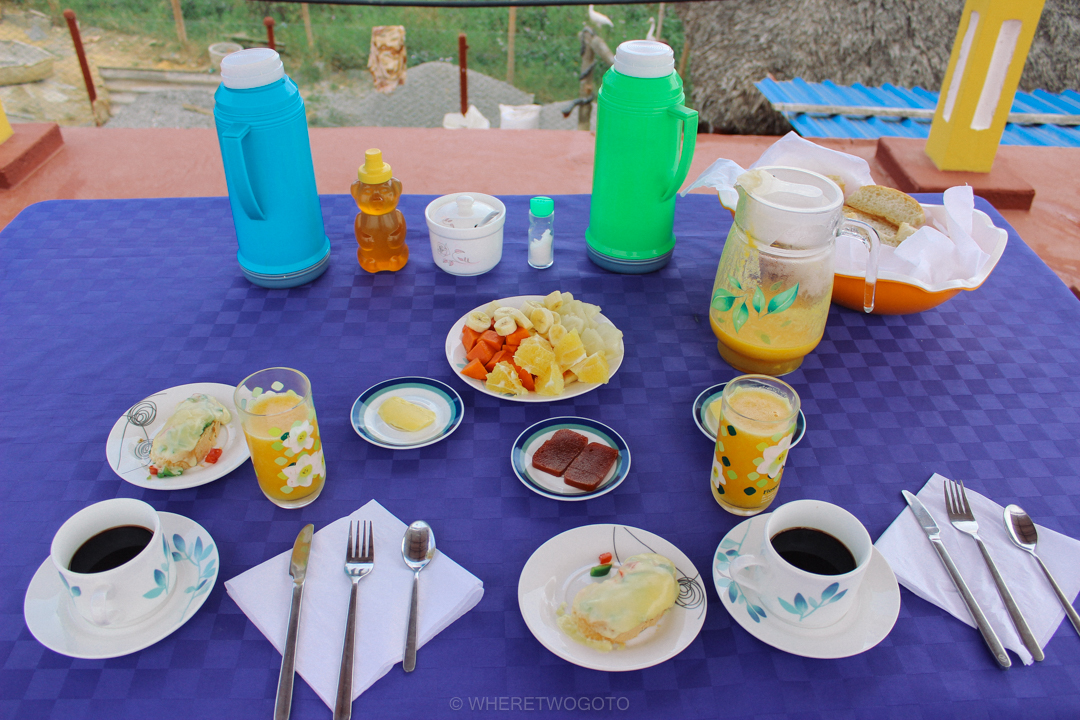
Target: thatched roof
904,42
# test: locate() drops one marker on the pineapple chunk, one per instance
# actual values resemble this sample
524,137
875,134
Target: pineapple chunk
504,379
592,341
550,382
593,369
569,351
532,355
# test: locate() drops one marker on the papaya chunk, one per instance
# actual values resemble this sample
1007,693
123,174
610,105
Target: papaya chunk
475,369
480,351
517,336
492,338
469,337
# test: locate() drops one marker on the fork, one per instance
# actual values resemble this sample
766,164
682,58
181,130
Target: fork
961,517
359,561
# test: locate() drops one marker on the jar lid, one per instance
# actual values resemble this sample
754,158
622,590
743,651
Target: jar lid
251,68
541,206
374,171
464,211
644,59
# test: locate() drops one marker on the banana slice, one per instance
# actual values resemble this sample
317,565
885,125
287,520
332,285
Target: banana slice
505,325
478,320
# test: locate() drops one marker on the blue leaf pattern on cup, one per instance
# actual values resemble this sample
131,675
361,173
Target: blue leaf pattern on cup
728,551
72,589
799,606
161,579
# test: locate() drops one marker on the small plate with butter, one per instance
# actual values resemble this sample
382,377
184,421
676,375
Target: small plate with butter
707,411
406,412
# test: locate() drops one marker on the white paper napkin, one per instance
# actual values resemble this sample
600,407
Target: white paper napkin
264,593
789,151
920,570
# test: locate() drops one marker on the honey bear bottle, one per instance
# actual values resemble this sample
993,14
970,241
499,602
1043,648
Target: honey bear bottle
380,226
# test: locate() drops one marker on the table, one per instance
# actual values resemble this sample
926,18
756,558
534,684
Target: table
106,302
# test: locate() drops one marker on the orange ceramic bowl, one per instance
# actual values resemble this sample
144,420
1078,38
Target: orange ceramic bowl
899,295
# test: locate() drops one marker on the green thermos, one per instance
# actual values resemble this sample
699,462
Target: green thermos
645,141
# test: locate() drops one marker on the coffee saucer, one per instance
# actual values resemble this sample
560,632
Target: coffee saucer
869,621
57,626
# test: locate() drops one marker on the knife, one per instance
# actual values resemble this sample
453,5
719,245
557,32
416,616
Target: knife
931,529
298,570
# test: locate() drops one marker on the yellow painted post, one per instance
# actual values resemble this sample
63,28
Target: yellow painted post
988,56
5,126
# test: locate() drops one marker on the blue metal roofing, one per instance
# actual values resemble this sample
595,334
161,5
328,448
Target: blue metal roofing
889,96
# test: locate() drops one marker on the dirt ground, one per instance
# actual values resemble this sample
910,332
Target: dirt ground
62,97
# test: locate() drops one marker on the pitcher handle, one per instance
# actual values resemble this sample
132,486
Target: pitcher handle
232,149
873,244
686,116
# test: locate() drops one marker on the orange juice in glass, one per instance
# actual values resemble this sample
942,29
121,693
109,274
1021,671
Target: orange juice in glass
758,414
278,416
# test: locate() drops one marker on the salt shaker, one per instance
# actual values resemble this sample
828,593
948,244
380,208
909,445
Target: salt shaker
541,232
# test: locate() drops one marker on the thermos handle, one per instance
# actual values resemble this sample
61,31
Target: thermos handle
689,119
232,148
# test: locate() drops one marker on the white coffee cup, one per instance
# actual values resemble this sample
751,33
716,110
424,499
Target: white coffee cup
128,593
794,595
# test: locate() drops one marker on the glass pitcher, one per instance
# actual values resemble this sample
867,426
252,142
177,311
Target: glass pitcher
774,283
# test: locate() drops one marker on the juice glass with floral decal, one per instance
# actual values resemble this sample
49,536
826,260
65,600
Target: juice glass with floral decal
278,416
758,415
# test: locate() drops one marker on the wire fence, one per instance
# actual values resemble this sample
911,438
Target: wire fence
536,49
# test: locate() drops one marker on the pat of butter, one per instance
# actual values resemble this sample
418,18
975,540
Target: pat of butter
405,415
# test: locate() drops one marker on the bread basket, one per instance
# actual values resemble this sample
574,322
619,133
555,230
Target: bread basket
899,295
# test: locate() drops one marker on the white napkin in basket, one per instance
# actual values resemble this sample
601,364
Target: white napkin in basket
919,569
264,593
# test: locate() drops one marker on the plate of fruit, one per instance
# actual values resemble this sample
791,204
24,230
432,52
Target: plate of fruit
535,348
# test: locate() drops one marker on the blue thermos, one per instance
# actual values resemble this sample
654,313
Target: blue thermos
262,130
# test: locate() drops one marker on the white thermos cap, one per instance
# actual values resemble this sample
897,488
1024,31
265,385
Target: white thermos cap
251,68
644,59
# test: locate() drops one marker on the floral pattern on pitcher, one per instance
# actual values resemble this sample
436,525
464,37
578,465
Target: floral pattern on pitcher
724,300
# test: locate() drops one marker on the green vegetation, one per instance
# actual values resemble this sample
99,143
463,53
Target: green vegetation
547,50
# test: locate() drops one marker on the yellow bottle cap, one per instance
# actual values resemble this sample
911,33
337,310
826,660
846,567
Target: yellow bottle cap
374,171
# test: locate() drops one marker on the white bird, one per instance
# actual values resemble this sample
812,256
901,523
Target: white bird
599,18
651,35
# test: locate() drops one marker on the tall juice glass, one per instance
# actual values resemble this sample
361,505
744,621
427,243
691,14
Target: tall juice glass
757,420
282,432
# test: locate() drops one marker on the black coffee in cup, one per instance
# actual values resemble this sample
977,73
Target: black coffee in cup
814,551
110,549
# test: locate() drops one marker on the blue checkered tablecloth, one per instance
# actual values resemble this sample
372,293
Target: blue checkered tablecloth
105,302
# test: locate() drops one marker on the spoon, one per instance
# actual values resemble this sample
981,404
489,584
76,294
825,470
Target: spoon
488,218
1024,535
417,547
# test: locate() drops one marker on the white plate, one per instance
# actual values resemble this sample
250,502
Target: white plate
455,355
56,625
867,623
552,486
560,567
707,424
437,397
128,446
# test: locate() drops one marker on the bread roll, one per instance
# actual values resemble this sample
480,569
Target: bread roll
895,215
